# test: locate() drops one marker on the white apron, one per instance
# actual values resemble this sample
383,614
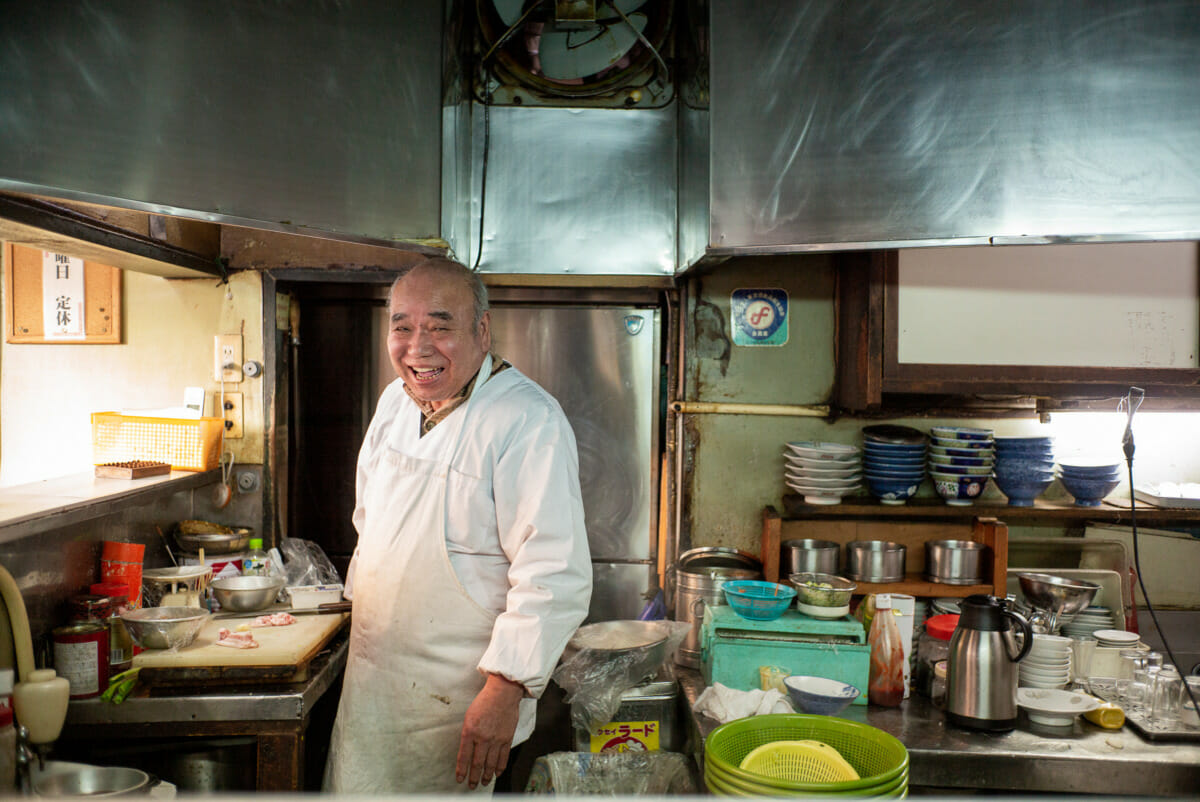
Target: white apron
417,636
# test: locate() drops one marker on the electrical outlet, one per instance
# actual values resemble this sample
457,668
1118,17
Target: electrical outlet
232,414
227,358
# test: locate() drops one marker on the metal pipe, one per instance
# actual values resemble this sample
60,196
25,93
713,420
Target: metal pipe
787,410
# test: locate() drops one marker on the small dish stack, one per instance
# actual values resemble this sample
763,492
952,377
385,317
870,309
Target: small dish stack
893,461
1024,468
1116,638
1088,620
1048,664
1089,482
960,484
822,472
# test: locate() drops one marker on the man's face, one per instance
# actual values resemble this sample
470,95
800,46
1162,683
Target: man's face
433,342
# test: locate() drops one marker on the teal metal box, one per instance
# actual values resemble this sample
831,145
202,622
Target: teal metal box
732,648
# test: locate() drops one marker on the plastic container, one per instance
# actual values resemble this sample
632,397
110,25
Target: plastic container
256,562
758,600
933,646
186,444
885,683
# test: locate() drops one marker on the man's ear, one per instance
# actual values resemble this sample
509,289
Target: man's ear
485,330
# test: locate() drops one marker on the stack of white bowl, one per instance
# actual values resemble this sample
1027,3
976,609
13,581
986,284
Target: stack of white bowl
822,472
1087,621
1048,664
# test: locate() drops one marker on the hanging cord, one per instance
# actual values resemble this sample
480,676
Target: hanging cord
1129,404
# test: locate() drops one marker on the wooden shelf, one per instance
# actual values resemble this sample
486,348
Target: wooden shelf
927,508
912,531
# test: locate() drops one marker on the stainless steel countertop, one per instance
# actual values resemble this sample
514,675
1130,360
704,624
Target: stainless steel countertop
1083,759
236,703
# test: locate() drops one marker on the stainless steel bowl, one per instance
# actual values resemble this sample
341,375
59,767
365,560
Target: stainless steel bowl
164,627
875,561
822,589
806,555
630,650
246,594
215,542
93,781
954,562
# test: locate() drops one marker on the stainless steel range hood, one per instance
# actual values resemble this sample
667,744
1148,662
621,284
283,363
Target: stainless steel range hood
310,120
887,123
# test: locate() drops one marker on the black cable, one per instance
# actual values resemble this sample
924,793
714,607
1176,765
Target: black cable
1128,447
487,135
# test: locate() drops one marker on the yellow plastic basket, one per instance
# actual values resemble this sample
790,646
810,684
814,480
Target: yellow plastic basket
191,444
800,761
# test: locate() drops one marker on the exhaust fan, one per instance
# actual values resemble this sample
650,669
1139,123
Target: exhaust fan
601,53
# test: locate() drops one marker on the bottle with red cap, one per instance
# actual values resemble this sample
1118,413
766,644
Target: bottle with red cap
933,646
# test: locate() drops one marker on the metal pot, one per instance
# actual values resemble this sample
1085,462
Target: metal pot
94,781
632,650
808,556
875,561
954,562
700,578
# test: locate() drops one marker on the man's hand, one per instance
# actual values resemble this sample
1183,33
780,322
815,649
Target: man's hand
488,730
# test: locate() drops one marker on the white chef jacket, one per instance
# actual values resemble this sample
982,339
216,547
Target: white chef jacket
514,519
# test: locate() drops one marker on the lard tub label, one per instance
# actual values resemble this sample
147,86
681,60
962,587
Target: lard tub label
626,736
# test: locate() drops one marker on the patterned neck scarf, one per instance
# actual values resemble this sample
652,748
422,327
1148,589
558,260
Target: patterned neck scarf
431,417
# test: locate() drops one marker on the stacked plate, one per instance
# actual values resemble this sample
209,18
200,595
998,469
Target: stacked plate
960,485
822,472
893,461
1116,638
1048,664
1090,619
1024,468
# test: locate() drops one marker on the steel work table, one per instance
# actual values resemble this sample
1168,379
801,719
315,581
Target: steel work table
276,716
1084,759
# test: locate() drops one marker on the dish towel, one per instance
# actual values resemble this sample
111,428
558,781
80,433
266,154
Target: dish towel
726,704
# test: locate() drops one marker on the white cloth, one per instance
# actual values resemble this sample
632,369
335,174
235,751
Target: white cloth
725,704
489,497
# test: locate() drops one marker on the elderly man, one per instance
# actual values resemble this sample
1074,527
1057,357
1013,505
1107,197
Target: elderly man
472,568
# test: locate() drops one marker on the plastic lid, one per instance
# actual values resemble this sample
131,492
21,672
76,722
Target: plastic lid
940,668
256,542
883,601
941,626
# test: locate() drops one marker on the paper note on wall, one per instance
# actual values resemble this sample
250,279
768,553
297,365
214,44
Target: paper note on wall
62,297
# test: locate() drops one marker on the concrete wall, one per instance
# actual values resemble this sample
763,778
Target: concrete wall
48,392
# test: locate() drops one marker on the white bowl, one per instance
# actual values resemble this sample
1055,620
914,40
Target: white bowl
832,483
813,611
1116,637
1046,665
1054,708
822,468
835,452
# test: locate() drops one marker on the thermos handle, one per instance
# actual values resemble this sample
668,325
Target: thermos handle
1027,641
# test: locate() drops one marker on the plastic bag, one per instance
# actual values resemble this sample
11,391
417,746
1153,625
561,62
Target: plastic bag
612,774
595,679
306,563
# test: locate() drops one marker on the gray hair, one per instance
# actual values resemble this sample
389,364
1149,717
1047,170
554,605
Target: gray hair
454,269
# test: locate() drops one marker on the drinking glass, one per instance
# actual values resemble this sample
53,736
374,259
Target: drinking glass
1131,660
1187,713
1140,689
1083,649
1165,707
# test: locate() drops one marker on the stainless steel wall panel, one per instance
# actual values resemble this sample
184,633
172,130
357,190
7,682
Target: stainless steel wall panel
887,121
321,118
577,191
619,590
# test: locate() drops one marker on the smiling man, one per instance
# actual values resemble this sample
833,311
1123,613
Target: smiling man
472,568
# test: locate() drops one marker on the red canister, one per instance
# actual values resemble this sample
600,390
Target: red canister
81,655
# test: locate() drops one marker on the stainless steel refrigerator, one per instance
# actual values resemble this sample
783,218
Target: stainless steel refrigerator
599,353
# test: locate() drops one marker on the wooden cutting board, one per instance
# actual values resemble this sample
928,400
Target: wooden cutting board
283,654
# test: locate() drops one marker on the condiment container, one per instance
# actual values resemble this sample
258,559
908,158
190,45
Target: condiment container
81,655
885,683
120,643
933,646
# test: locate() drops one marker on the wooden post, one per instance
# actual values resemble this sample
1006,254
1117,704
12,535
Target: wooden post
771,528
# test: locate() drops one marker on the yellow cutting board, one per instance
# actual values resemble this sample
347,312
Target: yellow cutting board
283,653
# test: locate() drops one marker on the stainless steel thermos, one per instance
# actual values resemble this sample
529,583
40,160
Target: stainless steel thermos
981,679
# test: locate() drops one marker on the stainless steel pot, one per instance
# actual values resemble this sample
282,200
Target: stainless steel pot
808,556
699,579
954,562
875,561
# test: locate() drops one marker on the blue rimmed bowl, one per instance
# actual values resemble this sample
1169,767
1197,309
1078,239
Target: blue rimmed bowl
958,491
1022,490
962,433
1088,492
893,490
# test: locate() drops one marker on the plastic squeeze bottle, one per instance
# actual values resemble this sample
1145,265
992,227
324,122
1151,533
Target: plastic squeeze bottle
885,683
255,561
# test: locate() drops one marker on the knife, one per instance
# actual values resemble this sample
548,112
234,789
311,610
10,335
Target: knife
328,607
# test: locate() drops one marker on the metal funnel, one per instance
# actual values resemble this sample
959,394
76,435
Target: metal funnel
1054,596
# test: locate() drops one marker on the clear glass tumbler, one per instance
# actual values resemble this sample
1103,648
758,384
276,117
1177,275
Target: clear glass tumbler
1140,689
1165,706
1188,715
1131,661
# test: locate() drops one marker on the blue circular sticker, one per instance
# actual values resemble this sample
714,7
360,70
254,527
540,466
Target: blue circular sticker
759,317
